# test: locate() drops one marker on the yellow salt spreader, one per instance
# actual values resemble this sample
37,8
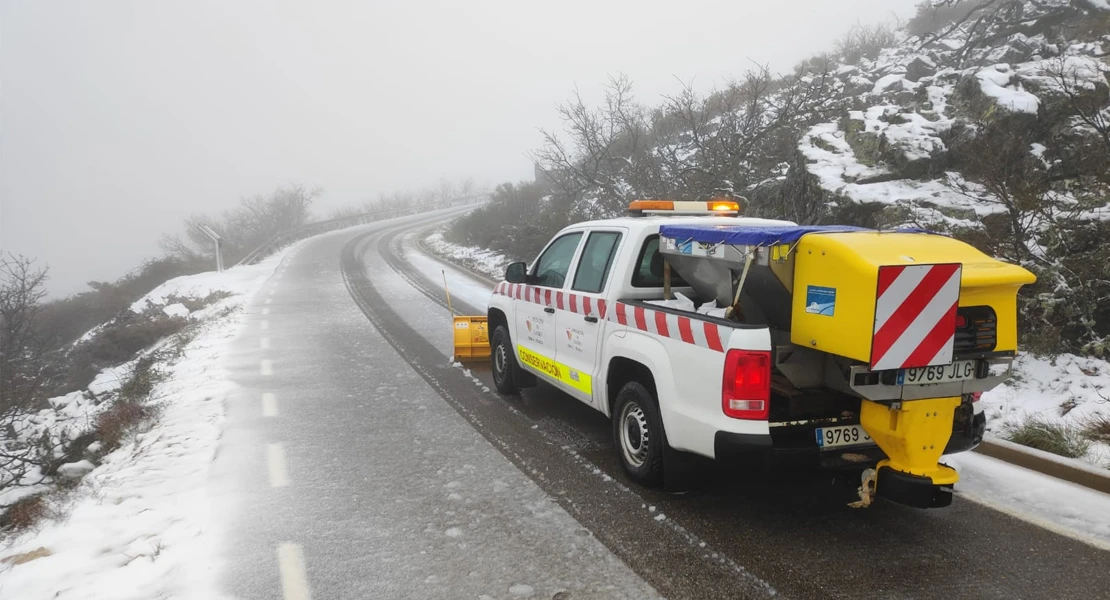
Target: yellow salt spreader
471,333
914,326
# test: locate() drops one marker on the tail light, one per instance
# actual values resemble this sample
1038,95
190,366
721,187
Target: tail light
976,396
746,389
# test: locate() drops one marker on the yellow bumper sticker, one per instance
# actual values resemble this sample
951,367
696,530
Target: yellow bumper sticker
576,379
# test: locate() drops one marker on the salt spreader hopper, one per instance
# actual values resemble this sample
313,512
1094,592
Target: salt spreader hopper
910,322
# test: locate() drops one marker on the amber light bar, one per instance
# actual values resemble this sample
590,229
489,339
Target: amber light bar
719,207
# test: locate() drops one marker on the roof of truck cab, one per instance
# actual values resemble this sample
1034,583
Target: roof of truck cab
652,223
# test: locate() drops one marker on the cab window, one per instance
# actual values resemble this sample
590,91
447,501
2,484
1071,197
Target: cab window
649,272
552,266
597,259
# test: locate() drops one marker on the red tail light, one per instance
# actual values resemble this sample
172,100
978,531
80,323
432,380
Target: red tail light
976,396
746,389
961,321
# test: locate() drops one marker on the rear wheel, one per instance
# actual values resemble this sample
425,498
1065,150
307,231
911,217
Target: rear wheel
501,357
638,434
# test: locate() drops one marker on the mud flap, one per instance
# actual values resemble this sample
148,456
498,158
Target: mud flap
680,470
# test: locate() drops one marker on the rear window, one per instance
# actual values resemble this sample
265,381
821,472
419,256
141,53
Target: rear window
649,272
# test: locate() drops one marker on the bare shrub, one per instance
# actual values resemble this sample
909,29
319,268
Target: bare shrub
114,424
1097,428
518,220
865,41
24,513
255,220
25,368
117,343
932,16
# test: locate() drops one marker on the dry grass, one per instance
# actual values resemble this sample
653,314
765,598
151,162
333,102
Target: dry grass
24,513
1096,428
1056,438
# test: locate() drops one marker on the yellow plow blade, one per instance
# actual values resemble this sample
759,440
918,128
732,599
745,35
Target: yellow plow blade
471,339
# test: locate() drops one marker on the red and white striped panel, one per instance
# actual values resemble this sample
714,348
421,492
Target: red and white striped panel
692,331
576,303
915,316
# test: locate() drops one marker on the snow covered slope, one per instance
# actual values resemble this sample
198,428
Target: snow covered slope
141,515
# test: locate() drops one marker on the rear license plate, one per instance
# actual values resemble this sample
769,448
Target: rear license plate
844,435
960,370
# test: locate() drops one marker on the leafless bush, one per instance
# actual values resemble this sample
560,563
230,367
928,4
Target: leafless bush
865,41
24,513
255,220
931,16
518,220
25,350
1089,105
117,342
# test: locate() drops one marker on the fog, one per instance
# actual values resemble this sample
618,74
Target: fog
119,119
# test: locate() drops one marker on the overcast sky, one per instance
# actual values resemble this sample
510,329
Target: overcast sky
119,119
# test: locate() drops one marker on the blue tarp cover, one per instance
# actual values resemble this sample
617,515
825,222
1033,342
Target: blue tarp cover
754,235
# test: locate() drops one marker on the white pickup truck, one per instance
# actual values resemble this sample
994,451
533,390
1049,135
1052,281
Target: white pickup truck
586,318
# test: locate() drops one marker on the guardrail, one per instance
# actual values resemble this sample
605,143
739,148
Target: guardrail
289,236
1049,464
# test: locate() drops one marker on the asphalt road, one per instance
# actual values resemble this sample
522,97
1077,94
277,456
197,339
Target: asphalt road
374,425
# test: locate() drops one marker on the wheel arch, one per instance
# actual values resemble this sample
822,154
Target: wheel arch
623,370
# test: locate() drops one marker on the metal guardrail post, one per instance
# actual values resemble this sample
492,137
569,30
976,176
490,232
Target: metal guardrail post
215,237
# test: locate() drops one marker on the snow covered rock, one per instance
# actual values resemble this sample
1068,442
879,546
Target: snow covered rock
75,470
176,310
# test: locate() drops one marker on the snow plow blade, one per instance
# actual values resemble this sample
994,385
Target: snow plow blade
913,434
471,339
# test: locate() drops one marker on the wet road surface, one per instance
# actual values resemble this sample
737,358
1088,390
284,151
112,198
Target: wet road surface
363,366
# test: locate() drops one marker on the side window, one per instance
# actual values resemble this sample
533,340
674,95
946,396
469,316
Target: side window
597,259
552,266
650,271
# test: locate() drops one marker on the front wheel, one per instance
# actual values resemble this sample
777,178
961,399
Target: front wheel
638,434
501,357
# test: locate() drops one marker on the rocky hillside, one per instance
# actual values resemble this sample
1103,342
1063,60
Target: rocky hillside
988,120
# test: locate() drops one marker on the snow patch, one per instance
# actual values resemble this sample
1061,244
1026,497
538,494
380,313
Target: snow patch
176,310
999,83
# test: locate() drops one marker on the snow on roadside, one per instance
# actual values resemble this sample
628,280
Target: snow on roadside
1068,389
139,524
487,262
464,286
1066,508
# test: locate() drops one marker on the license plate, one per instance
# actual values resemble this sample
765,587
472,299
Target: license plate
844,435
960,370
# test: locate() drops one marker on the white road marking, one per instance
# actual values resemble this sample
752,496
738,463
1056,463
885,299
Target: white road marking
275,461
294,579
265,311
265,325
269,404
264,343
267,367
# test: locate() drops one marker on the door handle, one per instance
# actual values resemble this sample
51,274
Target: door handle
591,319
549,310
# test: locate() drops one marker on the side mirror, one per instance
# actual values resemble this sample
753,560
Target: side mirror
516,273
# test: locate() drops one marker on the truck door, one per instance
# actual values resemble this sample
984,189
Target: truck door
535,306
580,312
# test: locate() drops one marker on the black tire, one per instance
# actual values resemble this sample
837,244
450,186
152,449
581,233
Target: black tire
502,362
638,434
